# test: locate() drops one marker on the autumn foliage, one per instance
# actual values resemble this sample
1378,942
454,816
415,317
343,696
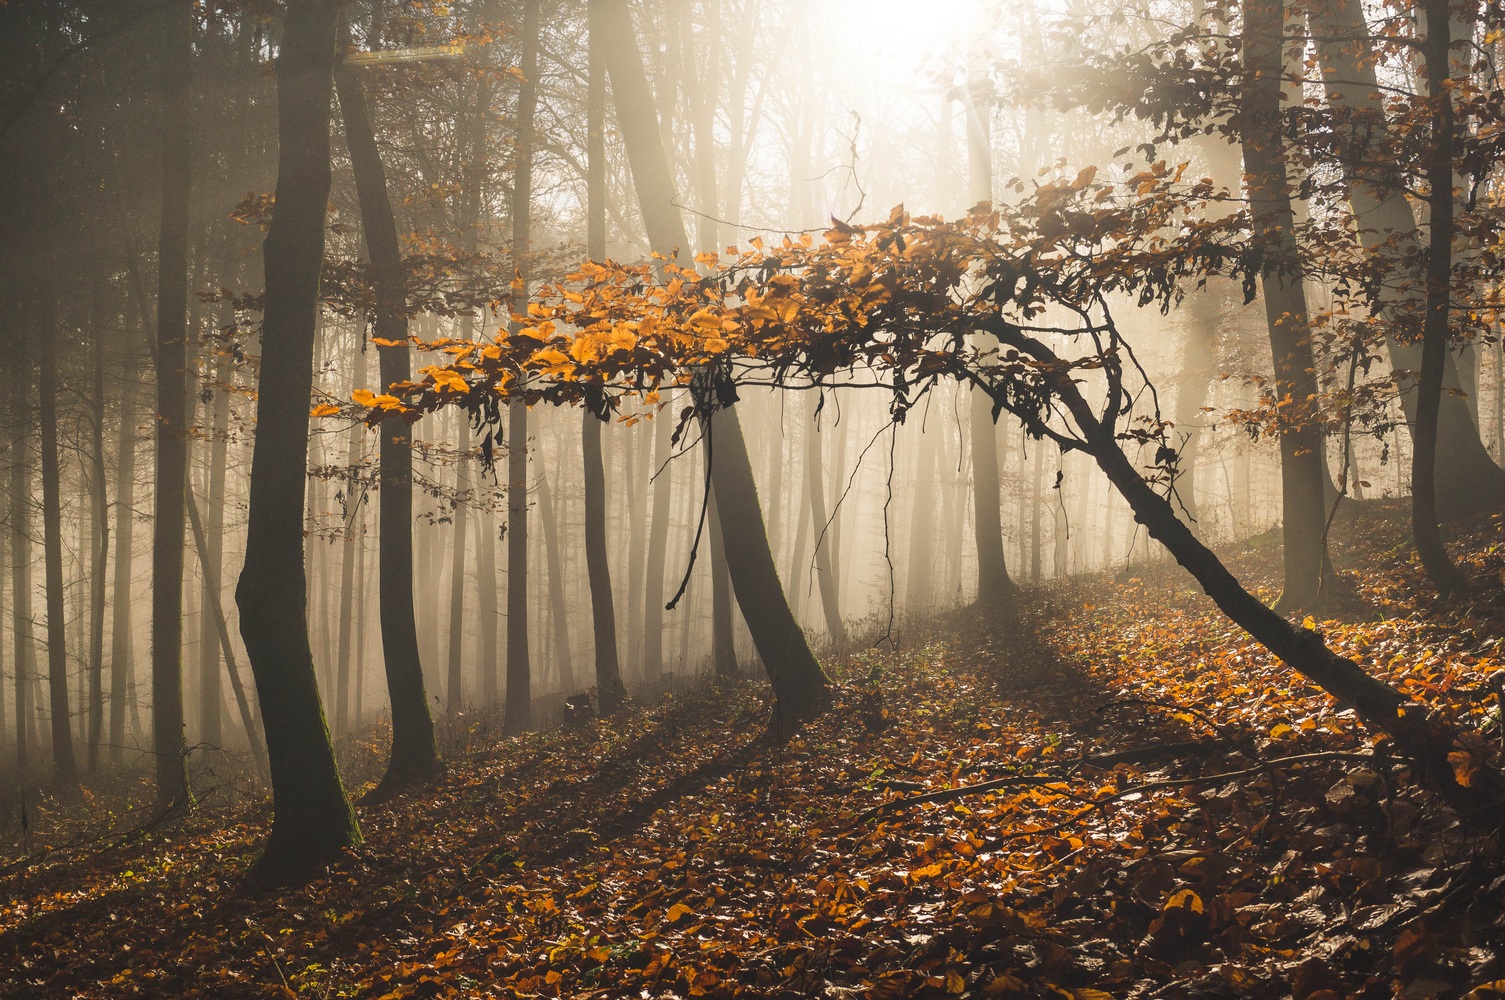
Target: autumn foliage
1166,805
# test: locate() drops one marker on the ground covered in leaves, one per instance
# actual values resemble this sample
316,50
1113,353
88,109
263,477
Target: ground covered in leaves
1168,814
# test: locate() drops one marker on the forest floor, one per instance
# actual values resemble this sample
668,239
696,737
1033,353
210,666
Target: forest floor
1174,815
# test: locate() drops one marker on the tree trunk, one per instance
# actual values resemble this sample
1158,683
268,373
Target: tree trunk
918,598
559,624
518,713
171,473
99,551
801,689
64,765
820,524
1301,446
1415,730
311,817
1434,338
353,542
214,612
211,693
414,755
723,643
486,570
610,692
454,692
21,495
125,522
658,543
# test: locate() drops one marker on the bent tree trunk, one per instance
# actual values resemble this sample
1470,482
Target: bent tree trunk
801,688
311,817
1377,704
414,754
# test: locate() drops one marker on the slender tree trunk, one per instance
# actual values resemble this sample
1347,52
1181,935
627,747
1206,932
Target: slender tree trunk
125,520
801,689
353,542
918,597
1301,446
311,817
64,764
99,552
559,625
820,524
211,691
994,587
723,645
1444,575
518,712
486,569
24,656
454,697
1417,732
171,474
610,692
214,612
414,754
658,543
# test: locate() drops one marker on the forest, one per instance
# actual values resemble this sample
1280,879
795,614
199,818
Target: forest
752,498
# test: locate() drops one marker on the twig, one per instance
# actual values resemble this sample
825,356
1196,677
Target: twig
950,794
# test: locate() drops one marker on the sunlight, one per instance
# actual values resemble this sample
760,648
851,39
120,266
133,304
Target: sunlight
903,30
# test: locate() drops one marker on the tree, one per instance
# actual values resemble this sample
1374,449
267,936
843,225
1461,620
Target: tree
171,356
517,712
1373,162
1303,471
1436,323
311,816
801,689
414,755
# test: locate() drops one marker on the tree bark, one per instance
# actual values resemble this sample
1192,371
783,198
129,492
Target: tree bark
64,764
99,550
211,693
414,755
518,711
125,523
658,544
353,542
24,657
723,643
610,692
801,688
820,525
454,692
1301,445
1416,732
171,473
311,816
1444,575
